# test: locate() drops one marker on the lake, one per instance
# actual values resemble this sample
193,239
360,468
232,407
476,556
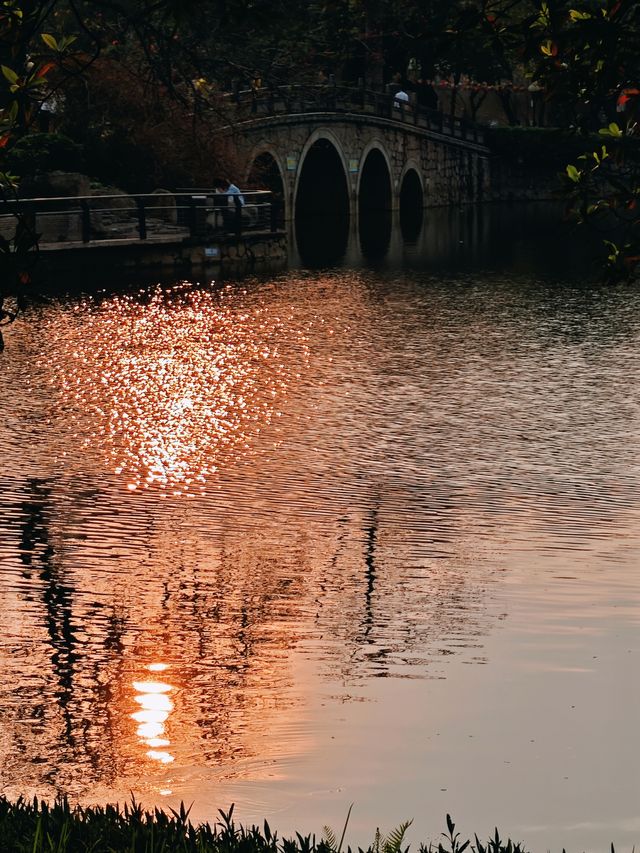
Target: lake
363,531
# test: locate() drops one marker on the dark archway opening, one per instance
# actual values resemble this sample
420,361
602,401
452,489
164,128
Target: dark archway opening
411,206
374,206
322,207
375,184
265,175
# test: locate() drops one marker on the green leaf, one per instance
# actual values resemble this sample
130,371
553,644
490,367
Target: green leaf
612,130
65,42
10,74
544,18
8,181
614,251
573,173
50,41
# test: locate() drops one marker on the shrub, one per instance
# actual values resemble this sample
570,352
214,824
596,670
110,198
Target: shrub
547,148
44,152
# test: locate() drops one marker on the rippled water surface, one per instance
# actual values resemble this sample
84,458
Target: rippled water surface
363,535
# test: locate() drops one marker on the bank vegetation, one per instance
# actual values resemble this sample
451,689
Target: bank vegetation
37,827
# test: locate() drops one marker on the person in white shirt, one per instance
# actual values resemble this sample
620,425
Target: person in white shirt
231,205
400,98
232,190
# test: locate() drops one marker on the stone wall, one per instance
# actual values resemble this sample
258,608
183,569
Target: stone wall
253,252
228,256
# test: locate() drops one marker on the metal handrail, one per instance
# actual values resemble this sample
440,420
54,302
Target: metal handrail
251,104
195,213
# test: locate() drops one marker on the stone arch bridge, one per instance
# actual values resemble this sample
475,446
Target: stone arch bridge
336,150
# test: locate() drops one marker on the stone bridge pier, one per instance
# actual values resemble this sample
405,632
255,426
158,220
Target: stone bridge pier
354,165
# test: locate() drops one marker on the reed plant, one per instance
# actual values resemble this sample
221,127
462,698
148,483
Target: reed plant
35,826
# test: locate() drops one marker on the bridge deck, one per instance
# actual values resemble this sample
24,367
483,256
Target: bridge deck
354,104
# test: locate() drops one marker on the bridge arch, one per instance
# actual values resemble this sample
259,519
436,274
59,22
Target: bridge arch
375,181
411,202
265,170
375,202
322,183
411,189
322,201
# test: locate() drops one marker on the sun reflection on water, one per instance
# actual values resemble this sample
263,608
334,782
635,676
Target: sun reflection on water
172,383
156,706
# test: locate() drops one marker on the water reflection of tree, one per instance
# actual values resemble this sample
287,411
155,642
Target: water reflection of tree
216,628
224,617
222,592
370,574
395,609
53,708
37,554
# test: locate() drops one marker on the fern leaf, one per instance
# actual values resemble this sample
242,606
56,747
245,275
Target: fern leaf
329,837
377,840
394,839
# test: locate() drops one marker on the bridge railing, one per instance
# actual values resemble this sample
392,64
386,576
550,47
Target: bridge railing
301,99
193,214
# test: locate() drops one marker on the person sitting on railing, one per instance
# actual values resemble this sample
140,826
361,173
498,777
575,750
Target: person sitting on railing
232,211
229,189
